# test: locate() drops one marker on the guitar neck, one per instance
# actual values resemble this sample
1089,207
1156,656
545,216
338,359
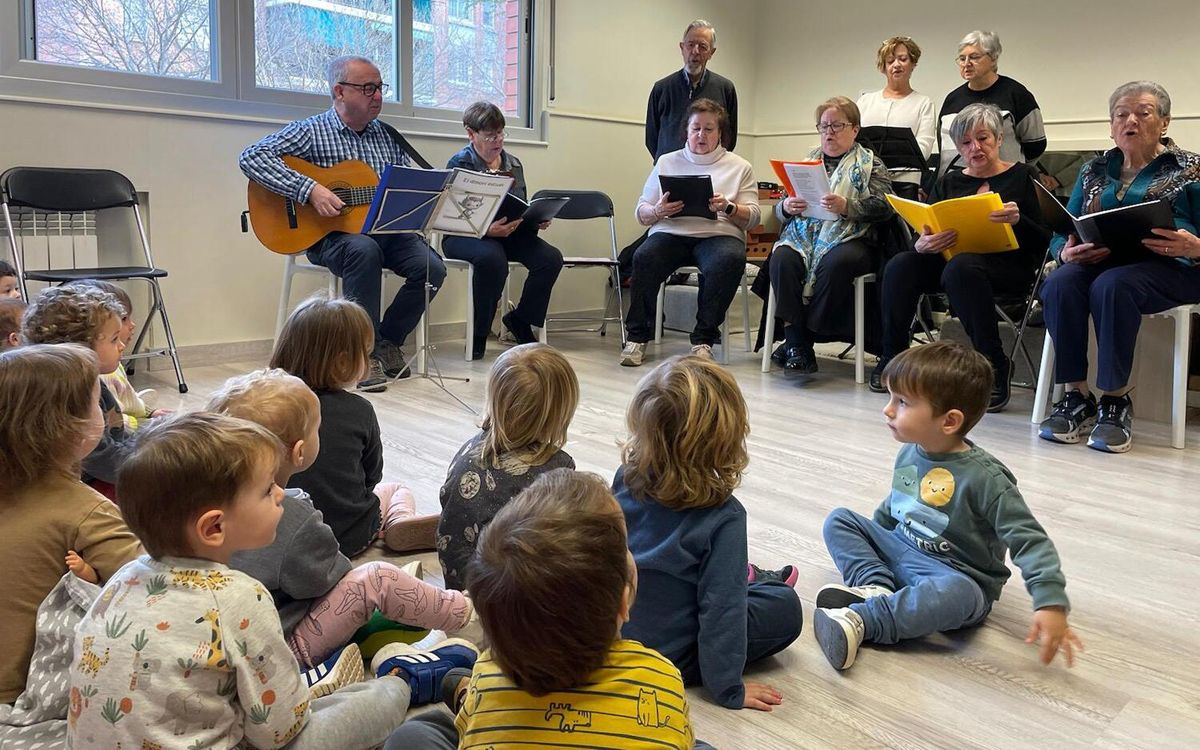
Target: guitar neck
355,196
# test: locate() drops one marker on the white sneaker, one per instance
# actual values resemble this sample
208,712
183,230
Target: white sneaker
703,351
633,354
839,633
344,667
835,595
414,569
149,398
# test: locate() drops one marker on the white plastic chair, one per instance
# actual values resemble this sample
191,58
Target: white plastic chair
860,304
745,285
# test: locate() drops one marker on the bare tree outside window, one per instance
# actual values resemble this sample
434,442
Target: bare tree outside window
295,39
155,37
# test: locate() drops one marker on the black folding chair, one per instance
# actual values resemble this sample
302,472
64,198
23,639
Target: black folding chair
73,191
592,204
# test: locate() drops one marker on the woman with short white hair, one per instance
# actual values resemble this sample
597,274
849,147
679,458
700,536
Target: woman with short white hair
1024,134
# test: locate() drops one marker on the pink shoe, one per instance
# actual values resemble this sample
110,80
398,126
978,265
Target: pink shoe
405,531
787,574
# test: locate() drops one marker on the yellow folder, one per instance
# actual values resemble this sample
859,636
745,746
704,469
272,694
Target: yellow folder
976,232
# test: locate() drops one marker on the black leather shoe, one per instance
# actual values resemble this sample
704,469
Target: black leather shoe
875,382
779,356
1001,388
520,330
800,360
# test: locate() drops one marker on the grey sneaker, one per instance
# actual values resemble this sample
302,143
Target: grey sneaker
703,351
839,633
1113,432
633,354
836,596
392,358
1073,414
374,381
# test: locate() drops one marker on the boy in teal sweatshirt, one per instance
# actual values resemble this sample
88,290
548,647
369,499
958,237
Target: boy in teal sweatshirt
932,558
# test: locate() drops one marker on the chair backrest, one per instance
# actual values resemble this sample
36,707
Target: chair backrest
66,190
584,204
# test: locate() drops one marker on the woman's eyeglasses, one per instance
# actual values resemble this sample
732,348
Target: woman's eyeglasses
831,127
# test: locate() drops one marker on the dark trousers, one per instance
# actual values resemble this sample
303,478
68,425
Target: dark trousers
722,263
774,618
971,280
490,257
359,260
829,314
1116,297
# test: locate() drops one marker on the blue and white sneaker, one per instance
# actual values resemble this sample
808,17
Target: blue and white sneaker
1073,414
1113,432
344,667
424,670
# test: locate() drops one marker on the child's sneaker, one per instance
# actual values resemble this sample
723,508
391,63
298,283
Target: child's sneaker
454,692
1073,414
835,595
424,670
344,668
414,569
839,632
787,574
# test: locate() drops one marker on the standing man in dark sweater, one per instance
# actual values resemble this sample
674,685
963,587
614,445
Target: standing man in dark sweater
670,97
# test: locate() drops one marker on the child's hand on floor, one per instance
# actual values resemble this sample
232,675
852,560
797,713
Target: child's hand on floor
80,568
761,697
1050,630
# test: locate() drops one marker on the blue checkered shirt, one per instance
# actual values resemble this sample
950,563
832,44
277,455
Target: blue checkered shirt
323,140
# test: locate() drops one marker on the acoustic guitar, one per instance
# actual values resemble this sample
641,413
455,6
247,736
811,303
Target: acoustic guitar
284,226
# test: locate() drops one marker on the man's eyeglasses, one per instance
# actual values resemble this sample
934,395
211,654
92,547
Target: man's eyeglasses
831,127
368,89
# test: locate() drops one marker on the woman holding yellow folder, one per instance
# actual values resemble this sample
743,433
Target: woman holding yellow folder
970,278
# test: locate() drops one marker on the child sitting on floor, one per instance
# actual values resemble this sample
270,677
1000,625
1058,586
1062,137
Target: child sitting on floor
327,343
702,605
181,650
12,309
532,393
322,599
49,421
64,314
554,581
932,558
134,408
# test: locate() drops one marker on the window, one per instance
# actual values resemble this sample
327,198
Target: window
268,58
156,37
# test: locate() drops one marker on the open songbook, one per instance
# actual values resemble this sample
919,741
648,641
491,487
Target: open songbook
1121,230
968,216
452,201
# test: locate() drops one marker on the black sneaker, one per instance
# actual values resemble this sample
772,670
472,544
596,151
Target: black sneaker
479,347
374,381
875,382
787,574
392,359
1001,387
520,330
801,360
1113,432
1073,414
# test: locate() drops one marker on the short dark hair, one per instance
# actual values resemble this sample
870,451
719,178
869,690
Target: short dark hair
483,116
946,374
197,461
708,106
11,310
105,286
564,533
6,269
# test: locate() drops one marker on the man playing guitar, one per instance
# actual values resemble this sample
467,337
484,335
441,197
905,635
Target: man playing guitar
350,130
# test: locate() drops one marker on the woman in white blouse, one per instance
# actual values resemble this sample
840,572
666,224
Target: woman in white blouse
897,105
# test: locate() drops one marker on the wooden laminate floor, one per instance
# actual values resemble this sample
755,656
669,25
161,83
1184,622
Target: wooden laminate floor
1126,527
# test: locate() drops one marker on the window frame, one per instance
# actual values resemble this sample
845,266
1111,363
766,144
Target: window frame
233,92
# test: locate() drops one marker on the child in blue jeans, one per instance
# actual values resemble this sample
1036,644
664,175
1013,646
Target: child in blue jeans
702,605
932,558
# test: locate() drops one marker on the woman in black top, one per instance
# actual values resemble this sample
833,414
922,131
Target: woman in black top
971,280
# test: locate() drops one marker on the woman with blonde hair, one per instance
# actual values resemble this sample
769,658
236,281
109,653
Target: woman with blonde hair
532,393
700,603
897,105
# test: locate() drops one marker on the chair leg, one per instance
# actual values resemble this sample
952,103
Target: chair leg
470,313
620,303
769,332
1183,329
166,321
746,314
659,313
860,324
285,294
725,341
1045,382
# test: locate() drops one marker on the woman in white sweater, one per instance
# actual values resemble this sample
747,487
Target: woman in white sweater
896,105
717,245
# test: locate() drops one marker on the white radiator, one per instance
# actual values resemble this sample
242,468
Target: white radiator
52,241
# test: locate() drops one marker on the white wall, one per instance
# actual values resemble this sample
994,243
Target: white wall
784,56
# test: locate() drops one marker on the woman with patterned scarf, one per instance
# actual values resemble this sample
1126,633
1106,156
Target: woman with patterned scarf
814,263
1090,282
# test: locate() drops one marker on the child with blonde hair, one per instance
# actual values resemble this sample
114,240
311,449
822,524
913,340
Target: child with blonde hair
179,648
51,419
327,343
702,605
88,316
11,311
321,597
532,393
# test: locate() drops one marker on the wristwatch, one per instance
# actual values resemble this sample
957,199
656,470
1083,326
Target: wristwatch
730,208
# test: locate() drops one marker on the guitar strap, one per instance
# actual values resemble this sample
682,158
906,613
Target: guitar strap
405,146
